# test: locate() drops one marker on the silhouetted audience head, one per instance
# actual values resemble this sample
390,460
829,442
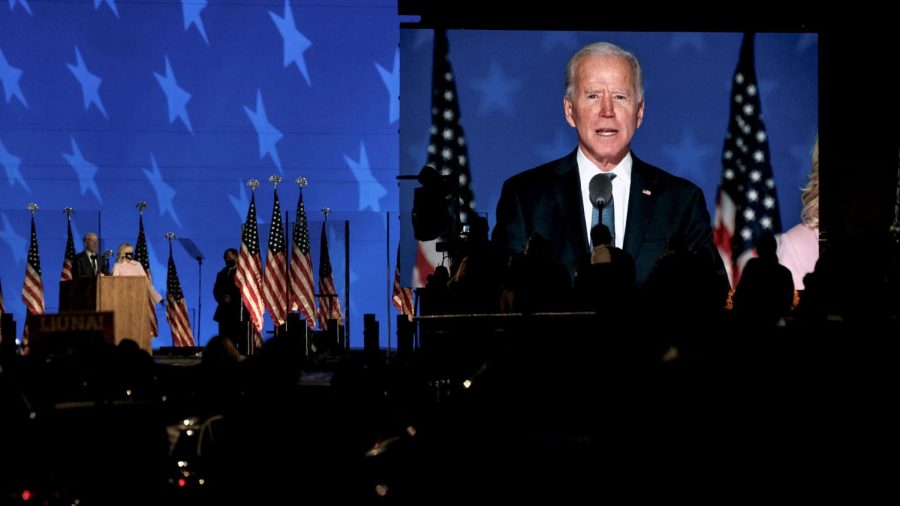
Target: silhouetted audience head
600,235
766,246
439,277
220,351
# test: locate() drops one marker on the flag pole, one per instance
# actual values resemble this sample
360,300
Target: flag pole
346,285
251,345
276,180
390,284
301,182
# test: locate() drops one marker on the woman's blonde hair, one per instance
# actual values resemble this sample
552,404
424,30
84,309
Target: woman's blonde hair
810,196
120,253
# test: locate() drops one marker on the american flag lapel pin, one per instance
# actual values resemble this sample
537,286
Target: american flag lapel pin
646,192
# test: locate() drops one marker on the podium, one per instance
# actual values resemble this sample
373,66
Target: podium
125,296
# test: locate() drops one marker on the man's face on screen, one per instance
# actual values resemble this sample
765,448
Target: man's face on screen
604,108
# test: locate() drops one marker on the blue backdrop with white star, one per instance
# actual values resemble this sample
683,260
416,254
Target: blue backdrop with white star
179,103
108,102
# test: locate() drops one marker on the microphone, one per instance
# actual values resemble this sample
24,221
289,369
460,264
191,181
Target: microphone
600,190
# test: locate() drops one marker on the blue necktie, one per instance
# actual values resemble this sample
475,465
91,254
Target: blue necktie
608,215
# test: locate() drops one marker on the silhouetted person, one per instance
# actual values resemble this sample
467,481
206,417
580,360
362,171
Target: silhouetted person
606,276
535,282
765,292
232,323
433,298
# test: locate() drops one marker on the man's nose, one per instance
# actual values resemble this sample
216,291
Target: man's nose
606,107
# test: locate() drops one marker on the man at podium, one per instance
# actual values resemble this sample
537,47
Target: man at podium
126,266
88,264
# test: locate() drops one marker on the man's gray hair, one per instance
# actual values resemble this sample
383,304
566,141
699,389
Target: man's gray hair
600,49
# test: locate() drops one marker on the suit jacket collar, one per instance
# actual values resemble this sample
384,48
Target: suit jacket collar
641,203
568,200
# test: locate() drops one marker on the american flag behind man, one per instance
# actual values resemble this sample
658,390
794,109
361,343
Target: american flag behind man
329,305
747,204
447,151
249,271
302,283
141,255
275,279
69,256
176,309
33,285
402,296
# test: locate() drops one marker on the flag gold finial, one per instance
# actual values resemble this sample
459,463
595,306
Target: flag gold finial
276,180
170,236
326,211
69,212
253,184
301,182
141,205
32,208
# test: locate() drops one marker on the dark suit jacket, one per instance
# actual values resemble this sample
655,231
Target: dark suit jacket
227,311
82,268
548,200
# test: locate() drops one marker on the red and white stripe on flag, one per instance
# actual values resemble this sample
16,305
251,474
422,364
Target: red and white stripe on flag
274,286
249,273
302,284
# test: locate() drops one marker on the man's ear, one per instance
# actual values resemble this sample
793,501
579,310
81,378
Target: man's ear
640,114
567,109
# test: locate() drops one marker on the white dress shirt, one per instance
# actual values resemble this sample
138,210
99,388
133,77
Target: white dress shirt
621,186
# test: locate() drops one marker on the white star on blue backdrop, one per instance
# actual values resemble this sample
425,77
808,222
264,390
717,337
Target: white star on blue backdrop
370,190
11,163
295,43
391,81
90,84
16,243
177,98
23,3
164,192
689,156
10,76
110,3
191,10
85,170
560,145
266,133
497,91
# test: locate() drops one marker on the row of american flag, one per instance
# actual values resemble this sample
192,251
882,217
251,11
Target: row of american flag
284,287
276,290
33,285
